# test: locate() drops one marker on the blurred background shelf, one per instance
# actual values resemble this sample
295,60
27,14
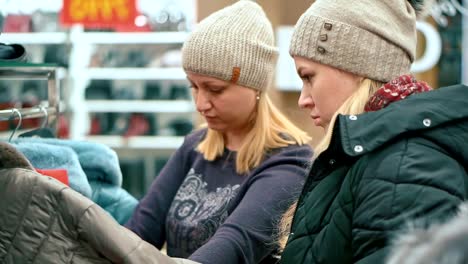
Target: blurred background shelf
35,38
136,73
139,142
139,106
134,37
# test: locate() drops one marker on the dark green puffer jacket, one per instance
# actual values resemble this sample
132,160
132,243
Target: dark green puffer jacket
382,170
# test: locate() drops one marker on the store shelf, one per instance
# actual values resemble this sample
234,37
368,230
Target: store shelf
139,142
34,38
132,38
136,73
139,106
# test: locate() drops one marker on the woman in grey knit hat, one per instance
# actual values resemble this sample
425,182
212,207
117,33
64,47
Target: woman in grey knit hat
394,151
220,196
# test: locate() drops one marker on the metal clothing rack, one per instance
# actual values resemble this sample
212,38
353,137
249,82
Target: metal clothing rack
34,72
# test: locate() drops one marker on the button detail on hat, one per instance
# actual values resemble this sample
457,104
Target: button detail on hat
328,26
358,148
353,117
427,122
321,50
323,37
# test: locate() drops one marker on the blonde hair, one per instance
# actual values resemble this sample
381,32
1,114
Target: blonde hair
353,105
270,129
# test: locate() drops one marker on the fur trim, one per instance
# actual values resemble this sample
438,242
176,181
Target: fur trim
12,158
439,243
422,7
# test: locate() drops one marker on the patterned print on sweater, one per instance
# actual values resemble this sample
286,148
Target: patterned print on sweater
196,213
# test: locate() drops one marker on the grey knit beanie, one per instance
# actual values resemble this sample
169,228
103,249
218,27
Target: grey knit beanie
371,38
235,44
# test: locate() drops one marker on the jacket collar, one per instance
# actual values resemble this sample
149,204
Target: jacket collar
12,158
364,133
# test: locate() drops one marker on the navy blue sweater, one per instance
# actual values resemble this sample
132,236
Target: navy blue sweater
207,212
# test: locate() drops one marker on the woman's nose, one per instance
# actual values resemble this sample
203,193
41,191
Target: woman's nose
305,100
202,102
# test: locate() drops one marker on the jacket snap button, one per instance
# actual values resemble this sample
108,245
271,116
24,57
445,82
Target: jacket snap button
358,148
353,117
427,122
331,162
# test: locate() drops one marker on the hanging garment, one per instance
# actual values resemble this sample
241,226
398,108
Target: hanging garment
99,162
46,156
44,221
101,166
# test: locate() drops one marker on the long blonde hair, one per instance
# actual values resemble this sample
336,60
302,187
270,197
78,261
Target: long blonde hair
270,129
353,105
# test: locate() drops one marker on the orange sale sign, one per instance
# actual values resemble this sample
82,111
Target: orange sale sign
99,13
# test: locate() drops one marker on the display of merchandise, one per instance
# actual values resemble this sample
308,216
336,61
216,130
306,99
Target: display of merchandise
17,23
100,123
99,89
6,94
38,21
118,57
96,94
170,18
180,126
12,53
179,92
122,124
133,172
136,57
33,91
450,62
45,22
153,91
30,94
56,54
138,125
171,58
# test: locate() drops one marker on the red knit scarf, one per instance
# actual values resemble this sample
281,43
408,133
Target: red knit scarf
395,90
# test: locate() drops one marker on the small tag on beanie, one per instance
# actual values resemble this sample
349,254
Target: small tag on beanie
235,74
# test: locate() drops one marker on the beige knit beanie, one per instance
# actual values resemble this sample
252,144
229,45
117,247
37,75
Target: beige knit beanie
234,44
371,38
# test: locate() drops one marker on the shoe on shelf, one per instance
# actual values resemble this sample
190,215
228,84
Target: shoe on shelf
138,126
98,89
153,91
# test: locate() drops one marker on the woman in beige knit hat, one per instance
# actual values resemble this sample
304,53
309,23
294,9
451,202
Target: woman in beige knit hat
220,196
394,151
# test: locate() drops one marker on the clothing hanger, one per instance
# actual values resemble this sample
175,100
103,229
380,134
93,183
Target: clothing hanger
42,131
14,110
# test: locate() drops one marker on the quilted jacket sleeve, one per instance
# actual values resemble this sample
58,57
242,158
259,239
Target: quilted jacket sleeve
118,244
417,181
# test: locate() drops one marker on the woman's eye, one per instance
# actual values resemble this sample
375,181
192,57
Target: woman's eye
216,91
307,78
